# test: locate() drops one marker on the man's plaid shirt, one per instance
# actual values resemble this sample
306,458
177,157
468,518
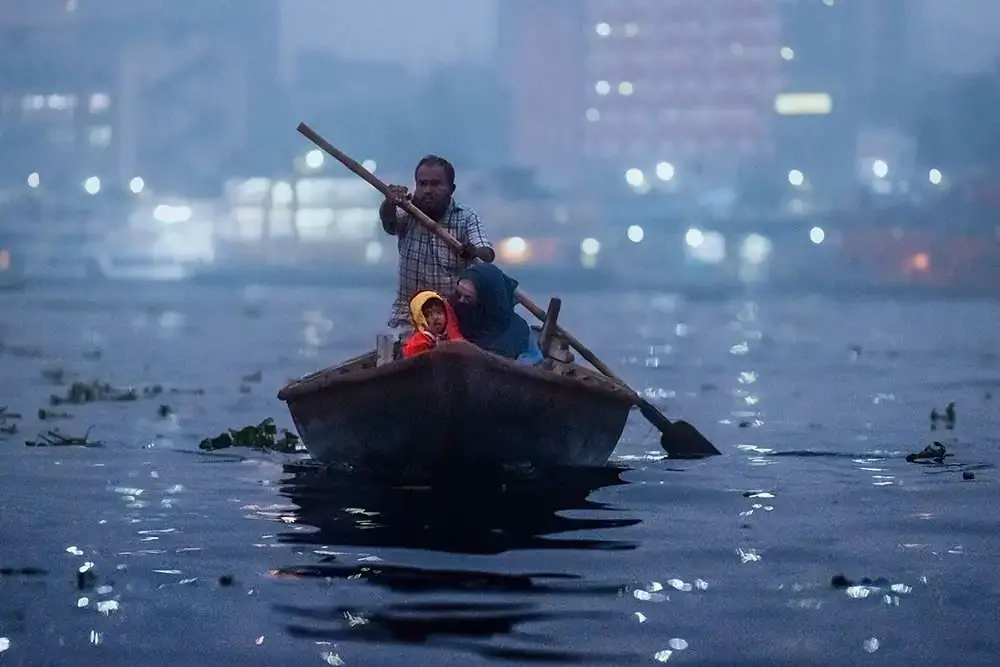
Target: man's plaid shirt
426,262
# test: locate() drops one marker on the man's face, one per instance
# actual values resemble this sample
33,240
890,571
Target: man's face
437,319
433,192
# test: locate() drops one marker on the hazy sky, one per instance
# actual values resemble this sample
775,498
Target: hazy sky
958,36
396,30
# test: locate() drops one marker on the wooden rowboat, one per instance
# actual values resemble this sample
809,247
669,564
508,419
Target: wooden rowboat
474,408
457,408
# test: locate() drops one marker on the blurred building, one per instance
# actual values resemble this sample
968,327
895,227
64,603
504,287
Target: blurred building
103,95
847,76
672,89
346,102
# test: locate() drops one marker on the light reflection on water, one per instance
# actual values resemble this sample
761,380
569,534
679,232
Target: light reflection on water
145,552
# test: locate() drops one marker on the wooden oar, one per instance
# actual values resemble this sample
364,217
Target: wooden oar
679,439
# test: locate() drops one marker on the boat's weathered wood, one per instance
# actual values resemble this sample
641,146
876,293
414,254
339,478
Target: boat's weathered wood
549,324
360,362
559,351
385,349
457,408
364,368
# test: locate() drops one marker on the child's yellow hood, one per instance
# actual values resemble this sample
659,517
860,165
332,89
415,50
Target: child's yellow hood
416,308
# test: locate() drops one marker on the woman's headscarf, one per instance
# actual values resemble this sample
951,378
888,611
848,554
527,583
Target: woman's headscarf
491,322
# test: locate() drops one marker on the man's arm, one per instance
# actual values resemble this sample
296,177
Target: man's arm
388,212
389,217
477,244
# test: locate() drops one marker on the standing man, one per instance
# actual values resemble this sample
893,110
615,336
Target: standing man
425,261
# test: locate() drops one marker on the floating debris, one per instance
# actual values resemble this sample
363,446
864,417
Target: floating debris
50,415
80,393
164,411
56,439
949,417
93,392
263,436
57,376
8,421
933,453
839,581
23,351
86,578
175,390
256,376
253,378
7,415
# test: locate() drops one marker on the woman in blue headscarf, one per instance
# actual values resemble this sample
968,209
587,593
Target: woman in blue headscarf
484,305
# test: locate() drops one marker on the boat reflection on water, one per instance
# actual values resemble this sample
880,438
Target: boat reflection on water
342,522
474,517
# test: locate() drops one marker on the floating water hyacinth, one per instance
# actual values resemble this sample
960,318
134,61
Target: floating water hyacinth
80,393
56,439
264,435
93,392
933,453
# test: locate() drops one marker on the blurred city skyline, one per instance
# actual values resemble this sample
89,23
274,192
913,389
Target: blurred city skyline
678,96
948,36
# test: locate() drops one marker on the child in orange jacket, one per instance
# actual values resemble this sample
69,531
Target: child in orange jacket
433,322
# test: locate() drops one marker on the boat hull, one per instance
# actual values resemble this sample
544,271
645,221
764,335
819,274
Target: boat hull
456,409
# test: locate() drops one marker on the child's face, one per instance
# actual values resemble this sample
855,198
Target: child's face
436,318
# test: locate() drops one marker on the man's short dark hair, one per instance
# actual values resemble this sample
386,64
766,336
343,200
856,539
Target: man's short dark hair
437,161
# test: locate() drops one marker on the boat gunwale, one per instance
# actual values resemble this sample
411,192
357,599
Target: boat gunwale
337,376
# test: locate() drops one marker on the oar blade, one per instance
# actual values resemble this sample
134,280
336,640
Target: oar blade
683,441
679,439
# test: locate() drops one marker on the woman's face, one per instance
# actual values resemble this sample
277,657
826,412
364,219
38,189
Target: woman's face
465,292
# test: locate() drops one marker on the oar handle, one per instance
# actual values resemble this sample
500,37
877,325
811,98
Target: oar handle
445,236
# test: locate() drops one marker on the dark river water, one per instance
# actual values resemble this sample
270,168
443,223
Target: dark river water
242,557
